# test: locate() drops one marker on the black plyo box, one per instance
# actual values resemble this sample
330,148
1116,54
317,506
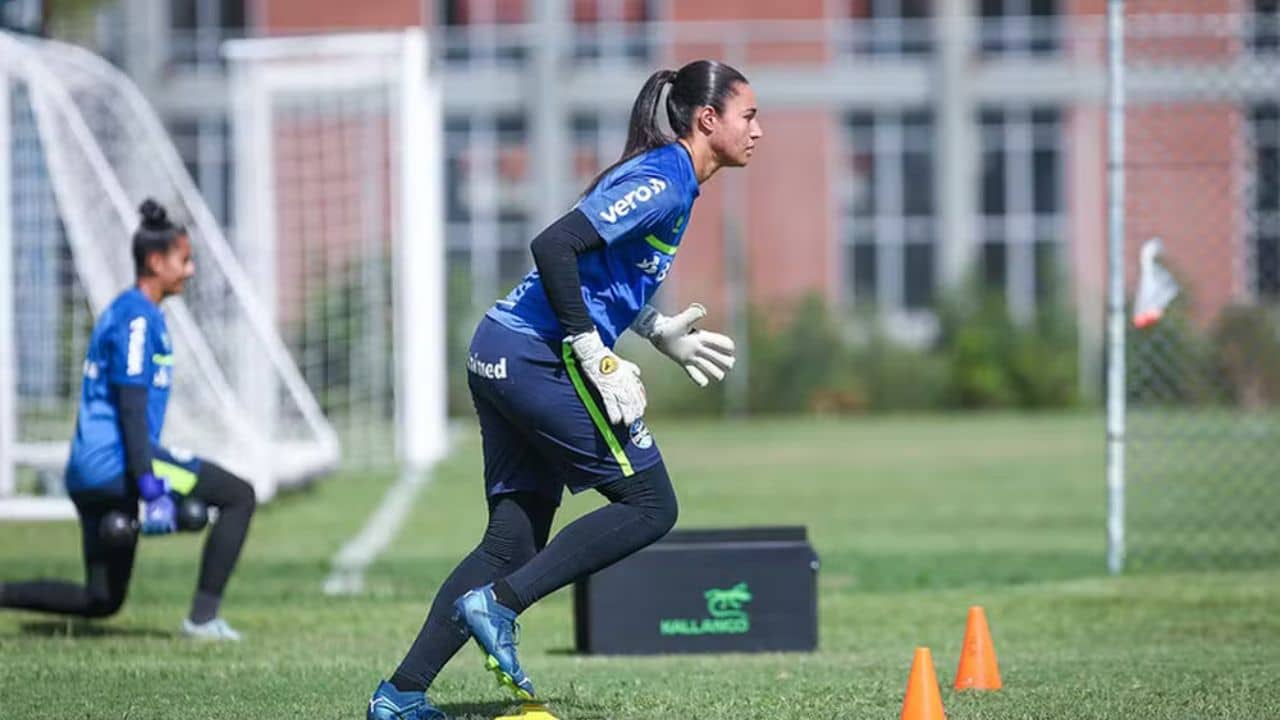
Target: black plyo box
732,590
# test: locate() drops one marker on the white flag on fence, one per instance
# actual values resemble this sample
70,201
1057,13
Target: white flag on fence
1156,286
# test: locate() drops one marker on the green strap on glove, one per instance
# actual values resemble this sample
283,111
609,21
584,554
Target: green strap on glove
617,380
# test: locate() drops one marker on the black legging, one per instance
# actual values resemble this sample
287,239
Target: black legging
108,568
642,509
518,527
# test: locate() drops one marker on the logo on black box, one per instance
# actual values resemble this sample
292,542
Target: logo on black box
727,611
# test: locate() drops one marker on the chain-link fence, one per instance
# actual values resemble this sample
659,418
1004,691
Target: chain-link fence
1202,140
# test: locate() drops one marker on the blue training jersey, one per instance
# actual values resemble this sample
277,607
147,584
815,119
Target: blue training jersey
130,346
641,209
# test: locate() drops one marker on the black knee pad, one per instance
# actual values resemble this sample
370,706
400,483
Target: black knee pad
193,514
117,530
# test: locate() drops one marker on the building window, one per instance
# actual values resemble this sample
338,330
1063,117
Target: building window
889,253
1266,25
198,28
612,29
204,143
482,12
1266,201
1021,205
1020,27
483,31
487,200
890,27
598,140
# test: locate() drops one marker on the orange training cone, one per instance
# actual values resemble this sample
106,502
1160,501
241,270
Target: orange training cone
978,668
923,701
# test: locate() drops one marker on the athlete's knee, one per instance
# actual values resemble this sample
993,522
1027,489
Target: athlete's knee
506,550
103,604
239,497
666,516
662,515
228,492
507,543
248,496
650,492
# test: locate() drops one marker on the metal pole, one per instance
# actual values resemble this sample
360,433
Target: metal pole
419,264
255,243
737,269
8,346
957,143
1115,294
549,142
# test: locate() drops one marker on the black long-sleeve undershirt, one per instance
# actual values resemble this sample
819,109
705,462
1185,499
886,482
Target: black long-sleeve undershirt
555,254
131,403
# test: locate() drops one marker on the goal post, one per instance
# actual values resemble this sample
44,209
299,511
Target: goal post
339,138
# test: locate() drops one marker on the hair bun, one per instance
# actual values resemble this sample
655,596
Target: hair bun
154,215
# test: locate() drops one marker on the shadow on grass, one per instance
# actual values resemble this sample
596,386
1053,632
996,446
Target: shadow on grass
85,629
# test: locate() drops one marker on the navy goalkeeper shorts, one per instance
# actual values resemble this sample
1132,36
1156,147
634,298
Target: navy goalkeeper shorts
542,423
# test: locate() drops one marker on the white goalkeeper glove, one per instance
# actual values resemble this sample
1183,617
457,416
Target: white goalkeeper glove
617,380
705,355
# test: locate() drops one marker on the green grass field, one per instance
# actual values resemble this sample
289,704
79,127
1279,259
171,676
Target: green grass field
914,518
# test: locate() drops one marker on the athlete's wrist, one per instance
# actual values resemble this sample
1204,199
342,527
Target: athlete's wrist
587,344
646,321
151,487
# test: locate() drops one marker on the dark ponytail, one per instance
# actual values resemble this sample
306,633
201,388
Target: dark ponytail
700,83
643,133
155,234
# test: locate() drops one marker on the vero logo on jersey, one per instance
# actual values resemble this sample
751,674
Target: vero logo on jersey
624,205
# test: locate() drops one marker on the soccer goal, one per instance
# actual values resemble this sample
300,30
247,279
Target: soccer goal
79,150
338,150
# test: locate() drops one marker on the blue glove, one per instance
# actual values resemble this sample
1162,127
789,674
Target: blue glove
151,487
160,516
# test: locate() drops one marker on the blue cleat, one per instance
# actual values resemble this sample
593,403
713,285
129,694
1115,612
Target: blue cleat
494,627
388,703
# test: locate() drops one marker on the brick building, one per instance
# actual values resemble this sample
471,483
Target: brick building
910,145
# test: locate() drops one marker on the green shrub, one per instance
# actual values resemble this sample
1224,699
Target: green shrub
807,359
1246,342
1171,362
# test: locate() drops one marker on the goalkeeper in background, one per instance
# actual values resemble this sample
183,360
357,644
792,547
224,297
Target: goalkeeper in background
557,407
116,459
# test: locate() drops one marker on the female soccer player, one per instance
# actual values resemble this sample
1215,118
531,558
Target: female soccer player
557,406
116,458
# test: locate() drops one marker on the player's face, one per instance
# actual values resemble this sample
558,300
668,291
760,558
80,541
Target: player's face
175,267
737,128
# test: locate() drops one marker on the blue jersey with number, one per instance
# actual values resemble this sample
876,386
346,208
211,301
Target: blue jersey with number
129,346
641,209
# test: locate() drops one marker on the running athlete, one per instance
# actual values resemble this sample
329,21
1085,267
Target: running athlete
557,406
116,459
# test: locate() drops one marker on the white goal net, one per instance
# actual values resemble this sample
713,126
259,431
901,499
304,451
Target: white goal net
79,150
